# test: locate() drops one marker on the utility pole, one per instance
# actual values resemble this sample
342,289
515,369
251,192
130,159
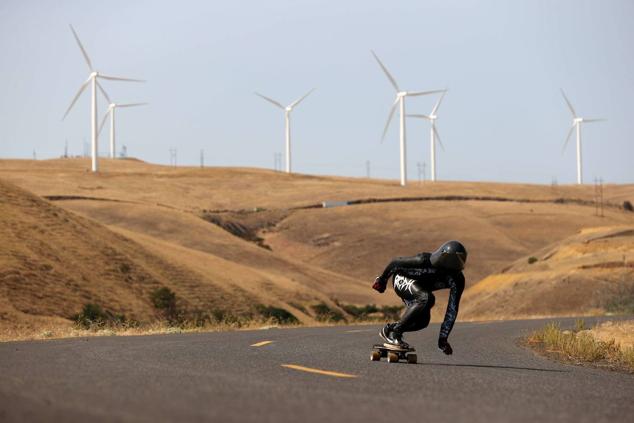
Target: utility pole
277,161
124,151
424,171
367,168
601,194
202,158
596,197
419,166
66,148
173,153
34,155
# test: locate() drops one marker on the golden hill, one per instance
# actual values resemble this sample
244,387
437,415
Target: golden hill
591,272
53,262
261,236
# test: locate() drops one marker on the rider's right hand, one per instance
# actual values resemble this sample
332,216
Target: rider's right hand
379,285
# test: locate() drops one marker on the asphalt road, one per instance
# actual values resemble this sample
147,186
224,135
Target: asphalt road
222,377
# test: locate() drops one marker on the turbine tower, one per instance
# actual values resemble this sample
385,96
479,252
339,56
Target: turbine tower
111,109
93,81
433,134
287,122
576,125
400,101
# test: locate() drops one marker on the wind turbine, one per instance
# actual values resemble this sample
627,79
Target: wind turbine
400,101
94,83
576,124
111,109
287,122
434,133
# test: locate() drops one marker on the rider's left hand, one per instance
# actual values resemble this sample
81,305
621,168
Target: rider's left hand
444,346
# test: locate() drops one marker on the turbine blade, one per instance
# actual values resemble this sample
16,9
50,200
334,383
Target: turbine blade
567,138
572,110
72,103
417,93
296,102
435,109
103,92
438,137
118,78
103,121
387,73
131,104
81,47
594,120
419,116
389,119
270,100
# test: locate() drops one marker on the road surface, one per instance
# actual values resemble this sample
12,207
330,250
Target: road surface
274,376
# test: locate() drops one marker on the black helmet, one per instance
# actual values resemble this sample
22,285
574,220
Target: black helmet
452,255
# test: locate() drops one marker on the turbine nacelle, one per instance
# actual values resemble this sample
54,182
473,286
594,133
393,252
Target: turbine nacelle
577,120
401,94
288,109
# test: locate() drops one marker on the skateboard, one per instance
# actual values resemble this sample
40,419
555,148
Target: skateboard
393,354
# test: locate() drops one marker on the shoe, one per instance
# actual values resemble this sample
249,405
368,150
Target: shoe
392,339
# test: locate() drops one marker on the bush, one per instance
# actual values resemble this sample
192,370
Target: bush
278,315
164,300
627,206
532,259
359,312
323,313
391,312
92,315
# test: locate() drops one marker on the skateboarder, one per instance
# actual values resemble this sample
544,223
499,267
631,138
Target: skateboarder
414,280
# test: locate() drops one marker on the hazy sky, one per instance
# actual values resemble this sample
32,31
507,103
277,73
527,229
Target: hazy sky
503,62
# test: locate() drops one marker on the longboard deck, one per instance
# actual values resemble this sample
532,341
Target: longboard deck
393,354
388,347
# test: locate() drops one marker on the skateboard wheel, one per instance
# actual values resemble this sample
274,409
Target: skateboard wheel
375,356
392,357
412,359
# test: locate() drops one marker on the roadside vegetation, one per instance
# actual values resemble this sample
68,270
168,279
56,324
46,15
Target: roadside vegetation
586,346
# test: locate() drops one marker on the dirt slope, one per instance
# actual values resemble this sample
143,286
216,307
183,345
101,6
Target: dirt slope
591,272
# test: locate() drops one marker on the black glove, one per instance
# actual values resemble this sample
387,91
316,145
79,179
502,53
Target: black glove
379,285
444,346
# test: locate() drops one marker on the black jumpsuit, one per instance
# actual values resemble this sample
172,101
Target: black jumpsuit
414,280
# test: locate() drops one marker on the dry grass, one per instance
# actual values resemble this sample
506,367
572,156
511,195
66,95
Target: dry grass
582,346
589,273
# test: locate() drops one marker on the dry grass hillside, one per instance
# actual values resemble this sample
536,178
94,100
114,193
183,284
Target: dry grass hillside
53,262
591,272
233,237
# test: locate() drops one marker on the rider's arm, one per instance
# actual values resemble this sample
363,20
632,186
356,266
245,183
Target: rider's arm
401,263
456,286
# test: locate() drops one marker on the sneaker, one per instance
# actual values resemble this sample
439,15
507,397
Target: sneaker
391,338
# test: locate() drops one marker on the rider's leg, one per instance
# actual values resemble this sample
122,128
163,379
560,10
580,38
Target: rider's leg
416,315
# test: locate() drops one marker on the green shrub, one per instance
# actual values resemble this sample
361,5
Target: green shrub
93,316
359,312
164,300
391,312
276,314
532,259
324,313
125,268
